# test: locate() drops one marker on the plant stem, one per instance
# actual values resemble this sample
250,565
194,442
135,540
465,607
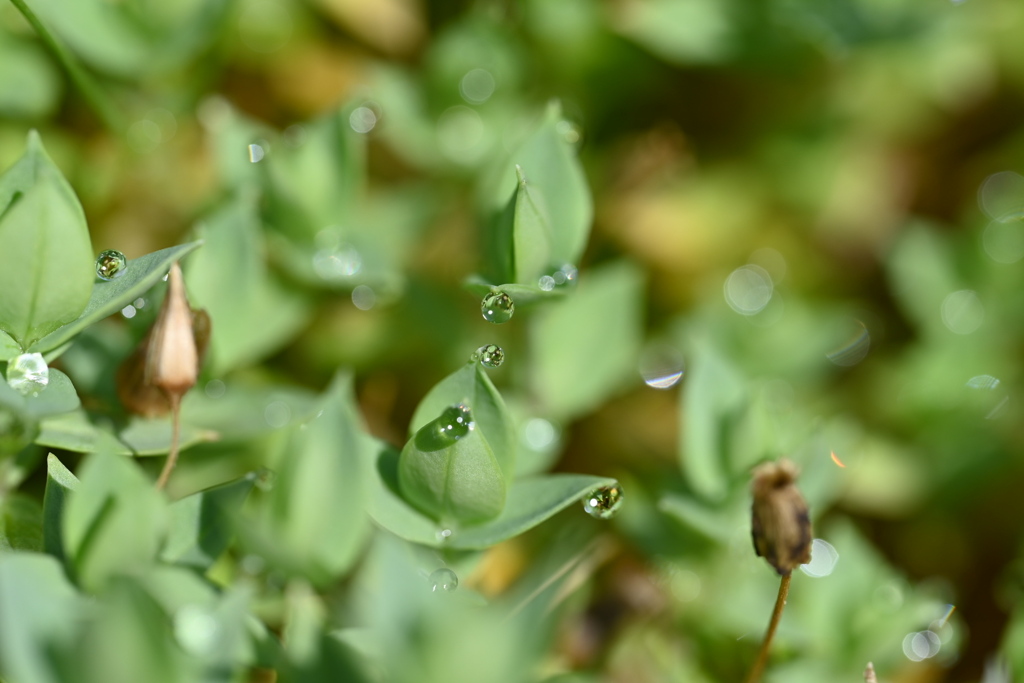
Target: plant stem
762,655
172,455
82,80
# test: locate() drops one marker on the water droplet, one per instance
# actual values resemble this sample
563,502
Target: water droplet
491,355
855,348
921,645
983,382
567,274
748,289
139,303
443,580
277,414
1001,194
569,131
539,434
364,298
256,153
337,262
1003,239
546,283
604,502
128,311
823,559
661,367
362,119
443,535
110,264
264,478
497,307
962,312
477,86
28,374
196,630
215,388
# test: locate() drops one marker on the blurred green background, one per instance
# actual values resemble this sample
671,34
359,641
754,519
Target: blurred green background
811,209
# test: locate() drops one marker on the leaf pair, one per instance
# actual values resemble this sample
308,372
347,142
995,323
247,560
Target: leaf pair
546,221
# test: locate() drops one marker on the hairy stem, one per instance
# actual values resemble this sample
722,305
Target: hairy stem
82,80
762,656
172,455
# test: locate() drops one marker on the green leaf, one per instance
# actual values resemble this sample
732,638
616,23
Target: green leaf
251,314
522,295
712,401
8,347
240,412
30,84
315,509
109,297
114,521
455,480
75,431
45,252
531,232
320,182
550,160
58,396
201,525
39,619
21,523
60,482
587,345
471,386
530,501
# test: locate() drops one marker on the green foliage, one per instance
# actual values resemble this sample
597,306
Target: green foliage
799,221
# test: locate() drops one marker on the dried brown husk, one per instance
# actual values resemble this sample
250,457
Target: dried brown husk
166,362
780,524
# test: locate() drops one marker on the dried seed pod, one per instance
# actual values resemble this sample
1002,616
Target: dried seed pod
166,363
780,525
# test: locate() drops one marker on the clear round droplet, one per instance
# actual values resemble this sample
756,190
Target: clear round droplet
539,433
362,119
364,298
569,131
491,355
604,502
277,414
256,153
823,559
215,388
921,645
661,367
454,423
110,264
748,289
477,86
962,312
28,374
443,580
337,263
855,346
443,535
546,283
567,274
497,307
1003,239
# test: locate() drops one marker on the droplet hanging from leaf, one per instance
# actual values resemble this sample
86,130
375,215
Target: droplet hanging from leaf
110,264
497,307
604,502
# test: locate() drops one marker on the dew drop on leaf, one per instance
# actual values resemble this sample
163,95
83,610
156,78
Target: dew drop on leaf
110,264
28,374
490,355
256,153
443,580
497,307
546,283
453,424
603,502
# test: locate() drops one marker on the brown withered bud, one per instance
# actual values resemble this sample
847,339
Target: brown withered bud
780,524
166,363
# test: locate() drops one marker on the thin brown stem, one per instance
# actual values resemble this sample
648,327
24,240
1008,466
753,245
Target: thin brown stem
172,455
762,656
